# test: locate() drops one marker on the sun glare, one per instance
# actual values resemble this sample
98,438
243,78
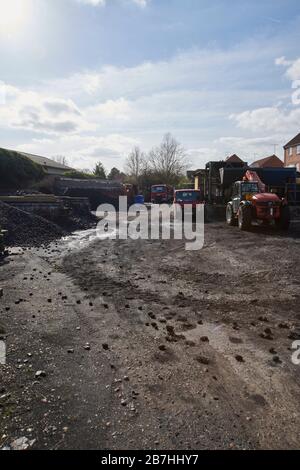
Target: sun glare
14,15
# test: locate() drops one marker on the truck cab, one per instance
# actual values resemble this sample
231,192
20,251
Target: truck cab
190,198
161,193
243,191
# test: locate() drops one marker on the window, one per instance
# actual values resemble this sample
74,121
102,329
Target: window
290,151
298,149
249,188
188,196
159,189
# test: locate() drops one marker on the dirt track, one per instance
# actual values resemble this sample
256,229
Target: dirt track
187,349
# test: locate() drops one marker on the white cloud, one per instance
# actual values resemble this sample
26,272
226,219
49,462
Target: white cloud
282,61
119,109
140,3
293,71
102,113
84,151
92,2
269,120
281,119
252,148
39,112
293,67
204,72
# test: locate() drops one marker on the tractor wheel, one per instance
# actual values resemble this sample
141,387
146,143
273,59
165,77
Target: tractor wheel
285,218
245,218
230,219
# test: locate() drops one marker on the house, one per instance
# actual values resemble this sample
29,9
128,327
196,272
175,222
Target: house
292,152
51,167
269,162
233,159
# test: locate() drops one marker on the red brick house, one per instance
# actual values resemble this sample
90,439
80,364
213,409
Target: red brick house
269,162
292,152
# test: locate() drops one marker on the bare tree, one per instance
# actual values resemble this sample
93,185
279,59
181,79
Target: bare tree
168,160
135,163
61,159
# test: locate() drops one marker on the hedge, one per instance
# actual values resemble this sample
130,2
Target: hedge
18,171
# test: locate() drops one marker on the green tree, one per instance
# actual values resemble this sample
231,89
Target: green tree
114,174
99,171
76,174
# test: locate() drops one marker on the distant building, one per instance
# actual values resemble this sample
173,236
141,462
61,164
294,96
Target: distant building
233,159
269,162
292,152
50,167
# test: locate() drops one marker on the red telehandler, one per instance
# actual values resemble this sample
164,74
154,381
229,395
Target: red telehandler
250,203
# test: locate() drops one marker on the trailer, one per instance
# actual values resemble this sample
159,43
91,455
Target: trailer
214,185
97,191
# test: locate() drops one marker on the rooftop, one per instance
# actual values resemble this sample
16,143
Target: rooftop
293,142
234,159
272,161
44,161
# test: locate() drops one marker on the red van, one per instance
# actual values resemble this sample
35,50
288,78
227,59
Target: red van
188,197
161,193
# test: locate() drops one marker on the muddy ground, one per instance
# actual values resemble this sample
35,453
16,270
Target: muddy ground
144,345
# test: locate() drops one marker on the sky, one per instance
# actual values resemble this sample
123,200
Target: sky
91,79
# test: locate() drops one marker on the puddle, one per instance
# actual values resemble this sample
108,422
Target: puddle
81,239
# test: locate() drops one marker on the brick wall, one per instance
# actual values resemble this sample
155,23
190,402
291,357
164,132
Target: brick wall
292,159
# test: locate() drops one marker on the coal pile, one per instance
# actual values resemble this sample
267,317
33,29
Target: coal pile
76,220
26,229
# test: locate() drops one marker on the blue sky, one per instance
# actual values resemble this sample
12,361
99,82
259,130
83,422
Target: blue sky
90,79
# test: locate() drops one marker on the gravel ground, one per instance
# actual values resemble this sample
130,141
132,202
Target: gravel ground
144,345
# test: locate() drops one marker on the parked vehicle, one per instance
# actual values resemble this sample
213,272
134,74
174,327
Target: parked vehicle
249,204
187,198
161,193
